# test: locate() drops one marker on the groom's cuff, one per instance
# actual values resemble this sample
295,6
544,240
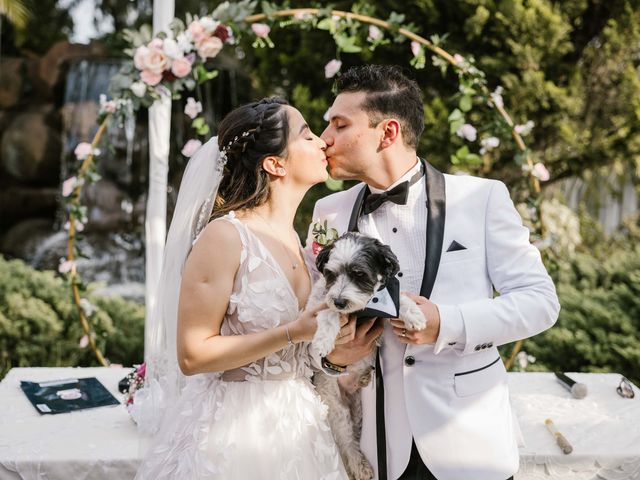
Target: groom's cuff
452,331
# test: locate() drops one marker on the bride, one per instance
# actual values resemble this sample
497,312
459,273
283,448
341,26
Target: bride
228,390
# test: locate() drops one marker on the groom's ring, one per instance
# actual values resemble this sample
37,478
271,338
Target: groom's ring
404,332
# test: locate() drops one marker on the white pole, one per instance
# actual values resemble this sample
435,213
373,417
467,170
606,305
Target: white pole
159,135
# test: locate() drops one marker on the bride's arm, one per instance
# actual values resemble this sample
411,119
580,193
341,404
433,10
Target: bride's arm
207,283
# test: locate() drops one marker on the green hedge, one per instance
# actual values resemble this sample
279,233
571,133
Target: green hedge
39,324
599,325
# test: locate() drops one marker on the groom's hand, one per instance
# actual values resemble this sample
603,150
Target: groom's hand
419,337
360,345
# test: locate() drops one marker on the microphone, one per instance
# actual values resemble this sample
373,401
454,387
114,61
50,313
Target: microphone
578,390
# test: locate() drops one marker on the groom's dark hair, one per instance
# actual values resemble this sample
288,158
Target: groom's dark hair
389,93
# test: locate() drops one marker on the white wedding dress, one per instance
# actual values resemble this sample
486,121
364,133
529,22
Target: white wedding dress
261,421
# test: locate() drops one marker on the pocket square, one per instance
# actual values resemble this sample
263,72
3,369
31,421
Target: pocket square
455,246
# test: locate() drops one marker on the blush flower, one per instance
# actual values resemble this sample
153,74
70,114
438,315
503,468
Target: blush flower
210,47
192,108
468,132
540,172
331,68
191,147
261,29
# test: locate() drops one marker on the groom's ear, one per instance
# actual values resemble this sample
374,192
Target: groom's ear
390,132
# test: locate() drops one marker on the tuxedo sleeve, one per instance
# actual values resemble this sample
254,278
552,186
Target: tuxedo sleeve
527,303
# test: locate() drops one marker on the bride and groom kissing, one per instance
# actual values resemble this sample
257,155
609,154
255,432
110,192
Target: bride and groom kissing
234,373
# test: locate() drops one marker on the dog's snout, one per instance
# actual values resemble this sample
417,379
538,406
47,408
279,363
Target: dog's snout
340,303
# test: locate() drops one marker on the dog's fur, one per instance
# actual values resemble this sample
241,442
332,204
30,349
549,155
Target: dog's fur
353,268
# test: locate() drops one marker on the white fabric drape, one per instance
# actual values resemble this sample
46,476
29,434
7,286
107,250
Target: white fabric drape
159,134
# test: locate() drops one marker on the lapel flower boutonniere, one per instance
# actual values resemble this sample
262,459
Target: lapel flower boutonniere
322,236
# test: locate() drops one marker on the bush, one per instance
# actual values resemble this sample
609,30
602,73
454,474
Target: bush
39,323
599,324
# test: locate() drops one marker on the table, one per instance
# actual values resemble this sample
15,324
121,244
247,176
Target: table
99,443
103,443
603,428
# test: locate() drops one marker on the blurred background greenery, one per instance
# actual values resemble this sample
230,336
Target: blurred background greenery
572,67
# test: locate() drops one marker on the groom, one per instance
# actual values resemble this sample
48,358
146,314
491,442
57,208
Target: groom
442,409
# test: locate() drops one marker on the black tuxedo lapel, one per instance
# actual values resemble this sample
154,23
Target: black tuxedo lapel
357,208
436,203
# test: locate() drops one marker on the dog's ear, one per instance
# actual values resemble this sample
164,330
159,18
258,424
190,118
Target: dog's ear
323,257
390,265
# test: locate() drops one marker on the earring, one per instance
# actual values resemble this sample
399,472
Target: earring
282,171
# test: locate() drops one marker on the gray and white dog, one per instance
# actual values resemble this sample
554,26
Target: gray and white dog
354,267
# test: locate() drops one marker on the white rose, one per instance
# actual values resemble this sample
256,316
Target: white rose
171,48
138,89
209,24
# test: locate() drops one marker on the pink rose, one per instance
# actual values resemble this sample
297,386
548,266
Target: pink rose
83,150
197,31
68,185
261,29
150,78
210,48
156,61
142,370
331,68
181,67
316,248
191,147
140,57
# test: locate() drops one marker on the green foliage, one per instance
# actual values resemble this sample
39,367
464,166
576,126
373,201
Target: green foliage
599,324
39,324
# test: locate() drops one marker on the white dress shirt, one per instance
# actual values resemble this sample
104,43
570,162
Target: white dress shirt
404,229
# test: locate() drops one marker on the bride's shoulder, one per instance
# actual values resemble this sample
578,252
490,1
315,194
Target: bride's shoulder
220,237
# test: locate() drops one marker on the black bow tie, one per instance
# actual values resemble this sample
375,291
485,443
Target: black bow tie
397,195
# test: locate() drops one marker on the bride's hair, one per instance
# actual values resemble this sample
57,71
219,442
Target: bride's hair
247,135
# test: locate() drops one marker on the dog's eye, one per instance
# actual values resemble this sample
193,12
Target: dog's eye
358,273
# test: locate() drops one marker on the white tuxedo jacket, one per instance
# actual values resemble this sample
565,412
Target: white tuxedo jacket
452,397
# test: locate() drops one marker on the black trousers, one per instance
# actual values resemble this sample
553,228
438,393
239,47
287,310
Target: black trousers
417,470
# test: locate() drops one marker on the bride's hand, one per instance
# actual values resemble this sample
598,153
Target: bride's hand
304,327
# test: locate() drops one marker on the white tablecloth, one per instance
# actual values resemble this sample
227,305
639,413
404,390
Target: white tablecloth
93,444
603,428
103,443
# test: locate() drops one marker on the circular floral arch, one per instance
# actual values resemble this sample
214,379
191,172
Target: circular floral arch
166,65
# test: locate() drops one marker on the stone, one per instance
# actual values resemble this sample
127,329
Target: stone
11,81
30,149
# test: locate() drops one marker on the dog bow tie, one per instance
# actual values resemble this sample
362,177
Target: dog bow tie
397,195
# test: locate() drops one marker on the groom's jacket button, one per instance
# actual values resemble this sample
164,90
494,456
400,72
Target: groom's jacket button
490,344
400,274
374,299
408,361
394,230
477,348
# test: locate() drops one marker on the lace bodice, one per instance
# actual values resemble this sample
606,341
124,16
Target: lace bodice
262,298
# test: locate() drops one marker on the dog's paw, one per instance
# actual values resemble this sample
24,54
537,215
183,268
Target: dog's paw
322,342
359,468
411,314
